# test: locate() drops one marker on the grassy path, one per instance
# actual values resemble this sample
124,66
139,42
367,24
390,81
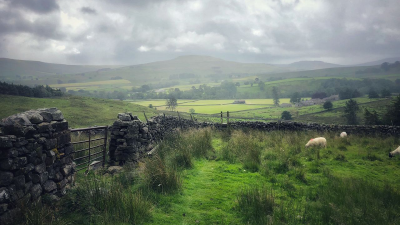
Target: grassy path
208,195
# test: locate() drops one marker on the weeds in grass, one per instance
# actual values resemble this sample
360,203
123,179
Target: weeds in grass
107,202
158,177
256,204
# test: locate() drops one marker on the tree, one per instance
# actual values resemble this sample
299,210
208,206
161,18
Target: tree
150,106
171,103
320,95
286,115
371,118
392,115
275,96
295,98
191,111
385,66
261,85
328,105
350,112
385,93
372,94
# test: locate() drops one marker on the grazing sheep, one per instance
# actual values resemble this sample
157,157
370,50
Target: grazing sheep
343,134
395,152
319,141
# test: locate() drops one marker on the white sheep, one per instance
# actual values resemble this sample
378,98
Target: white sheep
343,134
319,141
395,152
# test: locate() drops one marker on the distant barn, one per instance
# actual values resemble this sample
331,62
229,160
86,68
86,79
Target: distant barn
239,102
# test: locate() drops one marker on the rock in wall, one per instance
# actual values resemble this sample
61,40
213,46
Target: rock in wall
35,159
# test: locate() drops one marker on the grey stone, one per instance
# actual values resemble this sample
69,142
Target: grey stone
40,178
51,144
6,178
34,116
6,164
95,165
54,112
114,169
36,191
40,168
124,117
4,195
5,142
49,186
66,170
3,208
28,186
19,182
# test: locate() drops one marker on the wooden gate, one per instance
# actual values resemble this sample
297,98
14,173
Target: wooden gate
90,144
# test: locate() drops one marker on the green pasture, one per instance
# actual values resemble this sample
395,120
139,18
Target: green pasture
214,108
78,111
158,102
242,177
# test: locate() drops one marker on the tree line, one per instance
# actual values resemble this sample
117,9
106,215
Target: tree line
23,90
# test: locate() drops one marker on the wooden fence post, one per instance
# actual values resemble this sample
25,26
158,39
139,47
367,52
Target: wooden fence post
222,120
191,117
227,117
145,116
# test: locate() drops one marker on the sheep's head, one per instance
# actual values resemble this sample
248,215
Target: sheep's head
390,155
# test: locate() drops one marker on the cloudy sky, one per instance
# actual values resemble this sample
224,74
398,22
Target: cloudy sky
140,31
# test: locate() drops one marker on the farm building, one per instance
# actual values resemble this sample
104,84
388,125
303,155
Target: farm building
286,105
317,101
239,102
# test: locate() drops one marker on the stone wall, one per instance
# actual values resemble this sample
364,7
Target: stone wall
131,138
35,159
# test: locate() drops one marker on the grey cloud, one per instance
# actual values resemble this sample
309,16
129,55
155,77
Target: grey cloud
43,27
38,6
88,10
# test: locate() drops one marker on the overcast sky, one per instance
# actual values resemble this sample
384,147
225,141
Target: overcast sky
140,31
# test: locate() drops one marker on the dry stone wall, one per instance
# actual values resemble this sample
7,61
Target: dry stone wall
131,138
35,159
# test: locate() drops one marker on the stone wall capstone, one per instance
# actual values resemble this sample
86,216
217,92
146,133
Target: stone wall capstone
35,159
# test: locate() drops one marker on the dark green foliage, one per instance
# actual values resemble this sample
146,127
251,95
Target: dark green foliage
348,93
21,90
286,115
373,94
256,205
150,106
171,102
385,93
392,115
350,111
275,96
328,105
295,98
371,118
261,85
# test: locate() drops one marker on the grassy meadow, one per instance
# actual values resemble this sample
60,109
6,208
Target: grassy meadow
78,111
242,177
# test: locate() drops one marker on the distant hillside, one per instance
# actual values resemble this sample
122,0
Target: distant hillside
20,68
310,65
379,62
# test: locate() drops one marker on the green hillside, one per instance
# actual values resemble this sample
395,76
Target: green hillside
78,111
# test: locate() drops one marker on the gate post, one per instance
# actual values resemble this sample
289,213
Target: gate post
105,145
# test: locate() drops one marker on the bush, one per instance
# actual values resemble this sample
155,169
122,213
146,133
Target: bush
286,115
328,105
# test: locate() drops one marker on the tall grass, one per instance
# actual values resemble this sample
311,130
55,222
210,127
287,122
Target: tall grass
256,205
106,201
